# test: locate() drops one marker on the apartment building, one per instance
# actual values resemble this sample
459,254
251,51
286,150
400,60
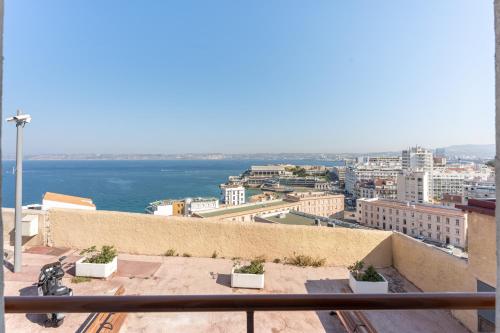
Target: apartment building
358,174
232,195
447,183
441,224
378,188
417,159
414,186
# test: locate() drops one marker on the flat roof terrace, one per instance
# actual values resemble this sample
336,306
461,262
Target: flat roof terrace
242,208
293,219
159,275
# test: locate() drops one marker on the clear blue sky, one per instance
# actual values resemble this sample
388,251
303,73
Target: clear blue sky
248,76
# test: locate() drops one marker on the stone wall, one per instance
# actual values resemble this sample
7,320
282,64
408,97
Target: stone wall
8,228
154,235
433,270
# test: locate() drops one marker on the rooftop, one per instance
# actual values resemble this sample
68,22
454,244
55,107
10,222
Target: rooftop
159,275
293,219
241,208
426,208
68,199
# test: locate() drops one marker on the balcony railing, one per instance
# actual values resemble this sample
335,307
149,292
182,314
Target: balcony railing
248,303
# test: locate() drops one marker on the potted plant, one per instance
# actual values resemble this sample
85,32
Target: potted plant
98,264
249,276
368,281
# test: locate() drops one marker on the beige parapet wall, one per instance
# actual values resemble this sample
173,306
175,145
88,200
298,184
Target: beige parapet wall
154,235
433,270
8,227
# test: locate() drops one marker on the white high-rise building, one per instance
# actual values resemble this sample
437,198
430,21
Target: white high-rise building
415,181
414,186
232,195
417,159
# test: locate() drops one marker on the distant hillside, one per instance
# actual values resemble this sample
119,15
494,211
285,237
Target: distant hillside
471,151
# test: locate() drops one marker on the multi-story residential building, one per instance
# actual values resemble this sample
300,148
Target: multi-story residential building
378,188
479,190
446,183
232,195
357,174
414,186
417,159
441,224
382,161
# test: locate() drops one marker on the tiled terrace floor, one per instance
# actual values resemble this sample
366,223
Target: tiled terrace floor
178,275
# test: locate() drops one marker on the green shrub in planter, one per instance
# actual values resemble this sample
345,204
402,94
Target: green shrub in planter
369,275
256,267
104,256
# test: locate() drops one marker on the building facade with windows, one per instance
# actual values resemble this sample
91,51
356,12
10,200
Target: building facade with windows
417,159
414,186
358,174
232,195
378,188
441,224
447,183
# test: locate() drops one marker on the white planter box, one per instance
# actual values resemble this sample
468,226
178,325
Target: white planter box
96,270
241,280
29,225
366,287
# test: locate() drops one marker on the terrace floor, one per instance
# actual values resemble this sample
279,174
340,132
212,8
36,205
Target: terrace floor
148,275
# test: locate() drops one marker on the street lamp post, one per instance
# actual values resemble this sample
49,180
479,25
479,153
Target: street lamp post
21,120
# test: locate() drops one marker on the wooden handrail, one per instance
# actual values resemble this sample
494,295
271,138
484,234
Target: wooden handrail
260,302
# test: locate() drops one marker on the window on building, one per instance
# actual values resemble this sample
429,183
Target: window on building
457,223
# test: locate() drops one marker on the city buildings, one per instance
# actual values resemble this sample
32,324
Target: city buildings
195,205
232,195
356,174
187,206
57,200
441,224
268,171
479,190
417,159
414,186
378,188
314,203
339,172
447,182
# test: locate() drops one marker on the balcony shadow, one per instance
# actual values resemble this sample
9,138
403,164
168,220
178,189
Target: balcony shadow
224,280
36,318
327,318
